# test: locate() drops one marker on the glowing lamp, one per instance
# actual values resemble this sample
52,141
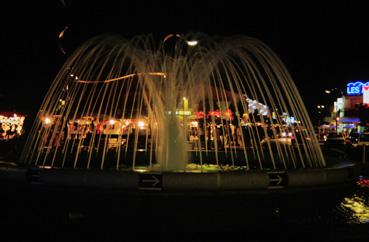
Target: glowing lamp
192,43
47,120
140,124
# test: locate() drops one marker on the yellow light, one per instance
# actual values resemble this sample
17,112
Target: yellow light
61,34
47,120
183,113
45,167
358,207
111,121
141,170
140,124
192,43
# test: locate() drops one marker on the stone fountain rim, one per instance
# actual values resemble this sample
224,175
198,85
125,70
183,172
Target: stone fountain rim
179,182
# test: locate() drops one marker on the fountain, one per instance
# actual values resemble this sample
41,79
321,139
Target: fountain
225,110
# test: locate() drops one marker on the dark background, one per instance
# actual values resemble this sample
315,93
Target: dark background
323,45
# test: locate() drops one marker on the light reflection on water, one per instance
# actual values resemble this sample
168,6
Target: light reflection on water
348,206
356,207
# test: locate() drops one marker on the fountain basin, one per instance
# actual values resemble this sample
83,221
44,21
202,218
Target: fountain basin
166,183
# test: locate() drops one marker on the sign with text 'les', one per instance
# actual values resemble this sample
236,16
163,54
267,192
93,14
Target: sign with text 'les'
356,88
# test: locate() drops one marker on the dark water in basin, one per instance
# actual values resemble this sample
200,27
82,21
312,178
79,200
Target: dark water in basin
31,213
328,215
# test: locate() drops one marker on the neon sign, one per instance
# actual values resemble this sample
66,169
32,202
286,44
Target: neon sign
365,94
356,88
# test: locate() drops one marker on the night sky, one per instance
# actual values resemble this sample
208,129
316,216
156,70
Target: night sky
323,45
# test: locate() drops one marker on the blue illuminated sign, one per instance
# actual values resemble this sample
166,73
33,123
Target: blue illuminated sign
356,88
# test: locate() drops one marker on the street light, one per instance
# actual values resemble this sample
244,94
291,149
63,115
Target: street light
320,112
329,91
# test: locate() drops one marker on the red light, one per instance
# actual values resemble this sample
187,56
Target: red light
363,182
215,113
199,114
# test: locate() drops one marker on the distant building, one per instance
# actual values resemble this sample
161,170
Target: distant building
347,112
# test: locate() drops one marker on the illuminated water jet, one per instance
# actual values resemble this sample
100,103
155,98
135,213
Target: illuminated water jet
165,106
